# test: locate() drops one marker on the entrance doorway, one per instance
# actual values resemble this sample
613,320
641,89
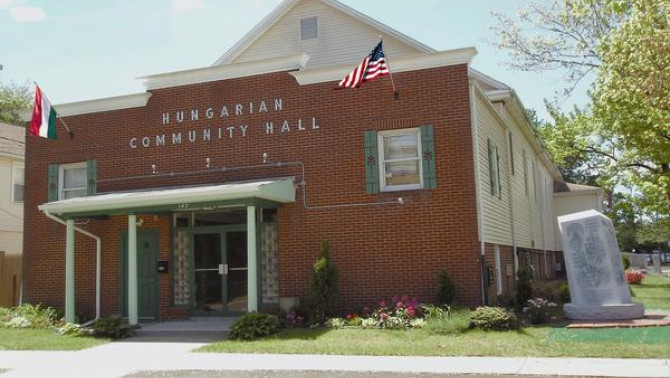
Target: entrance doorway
219,269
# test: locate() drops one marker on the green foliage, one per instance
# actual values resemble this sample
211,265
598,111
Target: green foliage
14,99
71,329
454,322
565,293
625,260
540,310
28,316
113,326
446,290
493,318
430,311
549,289
254,325
524,286
323,289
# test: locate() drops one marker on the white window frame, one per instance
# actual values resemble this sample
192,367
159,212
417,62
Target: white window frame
300,29
61,178
16,166
382,161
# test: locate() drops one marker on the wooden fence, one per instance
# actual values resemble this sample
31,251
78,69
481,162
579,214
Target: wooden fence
10,279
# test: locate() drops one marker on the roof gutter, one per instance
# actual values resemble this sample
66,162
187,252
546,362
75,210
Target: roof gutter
98,258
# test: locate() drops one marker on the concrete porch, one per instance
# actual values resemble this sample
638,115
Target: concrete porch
193,330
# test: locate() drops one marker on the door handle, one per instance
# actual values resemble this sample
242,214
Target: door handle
223,269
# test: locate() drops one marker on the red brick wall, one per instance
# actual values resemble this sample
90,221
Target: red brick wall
508,281
381,250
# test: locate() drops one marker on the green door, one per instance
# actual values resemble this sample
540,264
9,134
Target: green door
147,276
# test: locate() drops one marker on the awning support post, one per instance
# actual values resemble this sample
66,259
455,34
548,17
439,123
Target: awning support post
69,272
252,260
132,269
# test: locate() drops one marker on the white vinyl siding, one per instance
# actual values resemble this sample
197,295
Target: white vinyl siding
18,182
494,208
11,213
342,39
533,219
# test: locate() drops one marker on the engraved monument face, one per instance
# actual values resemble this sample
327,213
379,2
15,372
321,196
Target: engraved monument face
598,288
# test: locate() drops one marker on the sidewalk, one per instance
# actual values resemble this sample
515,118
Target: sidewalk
123,358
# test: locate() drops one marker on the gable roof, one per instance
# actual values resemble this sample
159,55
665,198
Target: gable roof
284,8
12,140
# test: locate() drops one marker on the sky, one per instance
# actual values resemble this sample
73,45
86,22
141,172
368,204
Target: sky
86,49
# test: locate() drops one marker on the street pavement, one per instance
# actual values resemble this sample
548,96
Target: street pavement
119,359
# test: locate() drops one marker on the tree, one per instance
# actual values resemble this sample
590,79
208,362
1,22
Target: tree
14,100
323,287
623,134
632,92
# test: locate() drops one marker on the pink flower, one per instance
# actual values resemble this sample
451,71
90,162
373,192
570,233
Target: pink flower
383,316
411,311
405,298
398,305
395,299
382,303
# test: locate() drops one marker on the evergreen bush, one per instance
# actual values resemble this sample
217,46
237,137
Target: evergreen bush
446,290
524,286
323,287
113,326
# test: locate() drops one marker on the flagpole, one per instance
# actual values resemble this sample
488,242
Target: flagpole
395,93
69,132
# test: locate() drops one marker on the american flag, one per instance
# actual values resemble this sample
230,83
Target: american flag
373,66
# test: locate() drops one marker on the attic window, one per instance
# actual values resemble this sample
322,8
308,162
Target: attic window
308,28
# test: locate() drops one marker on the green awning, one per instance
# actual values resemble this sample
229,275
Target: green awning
176,199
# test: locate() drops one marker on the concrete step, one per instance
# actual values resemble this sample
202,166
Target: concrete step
196,330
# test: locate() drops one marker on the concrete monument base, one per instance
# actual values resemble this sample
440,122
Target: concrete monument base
604,312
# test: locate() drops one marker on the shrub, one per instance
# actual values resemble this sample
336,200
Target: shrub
625,260
254,325
540,310
524,286
565,293
28,316
548,289
634,276
323,287
401,314
493,318
113,326
446,290
293,319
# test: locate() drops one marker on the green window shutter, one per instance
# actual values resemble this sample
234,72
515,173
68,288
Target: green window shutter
491,162
371,162
52,183
92,176
428,156
498,185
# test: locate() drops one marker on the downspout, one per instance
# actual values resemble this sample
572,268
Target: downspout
98,258
480,222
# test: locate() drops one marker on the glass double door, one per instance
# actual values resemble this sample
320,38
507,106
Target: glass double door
219,270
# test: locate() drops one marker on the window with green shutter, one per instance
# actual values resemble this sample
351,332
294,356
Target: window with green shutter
494,168
72,180
401,159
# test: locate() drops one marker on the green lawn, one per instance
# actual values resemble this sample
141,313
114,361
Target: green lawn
446,340
653,291
43,339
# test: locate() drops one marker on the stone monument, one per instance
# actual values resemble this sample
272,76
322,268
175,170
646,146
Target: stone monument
598,287
638,261
656,260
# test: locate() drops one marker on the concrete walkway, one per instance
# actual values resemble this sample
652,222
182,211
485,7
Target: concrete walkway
122,358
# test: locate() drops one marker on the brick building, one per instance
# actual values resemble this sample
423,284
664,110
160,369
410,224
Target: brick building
211,192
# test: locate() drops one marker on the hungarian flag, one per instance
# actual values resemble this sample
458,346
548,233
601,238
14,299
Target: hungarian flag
43,122
373,66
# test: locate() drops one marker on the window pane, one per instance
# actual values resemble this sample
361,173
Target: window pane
18,176
74,193
74,178
400,147
402,173
18,193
